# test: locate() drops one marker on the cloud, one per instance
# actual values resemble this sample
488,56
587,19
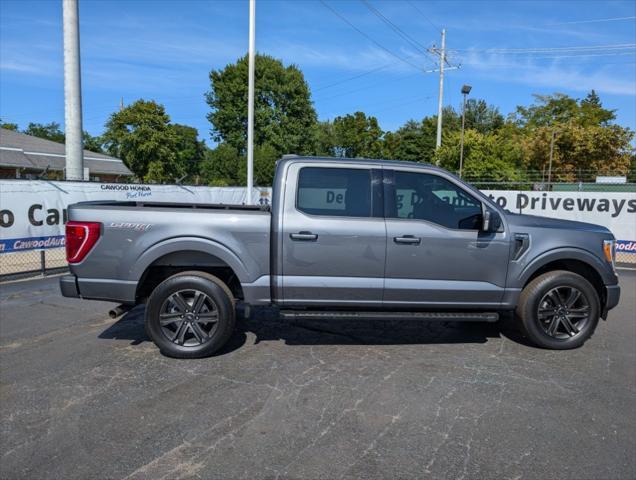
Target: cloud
33,61
20,67
582,76
337,58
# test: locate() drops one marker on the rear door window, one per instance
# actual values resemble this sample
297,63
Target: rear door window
339,192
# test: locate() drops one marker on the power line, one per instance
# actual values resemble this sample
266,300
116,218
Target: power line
377,69
592,48
585,55
368,37
414,43
412,4
597,20
392,106
559,57
368,72
366,87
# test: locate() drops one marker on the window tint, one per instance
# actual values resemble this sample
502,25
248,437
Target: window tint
422,196
344,192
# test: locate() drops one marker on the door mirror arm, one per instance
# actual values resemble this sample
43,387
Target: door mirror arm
485,218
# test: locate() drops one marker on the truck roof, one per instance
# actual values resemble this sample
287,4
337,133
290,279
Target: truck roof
377,161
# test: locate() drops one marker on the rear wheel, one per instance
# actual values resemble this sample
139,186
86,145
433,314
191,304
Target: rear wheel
190,315
559,310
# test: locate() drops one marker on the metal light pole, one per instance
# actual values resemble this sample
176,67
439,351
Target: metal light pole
250,105
72,92
465,91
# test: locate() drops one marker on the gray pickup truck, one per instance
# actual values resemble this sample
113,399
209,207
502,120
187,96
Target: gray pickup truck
343,238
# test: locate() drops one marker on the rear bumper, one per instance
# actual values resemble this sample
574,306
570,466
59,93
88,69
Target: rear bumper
98,289
612,296
68,286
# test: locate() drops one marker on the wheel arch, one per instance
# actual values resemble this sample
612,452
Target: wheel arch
577,261
168,258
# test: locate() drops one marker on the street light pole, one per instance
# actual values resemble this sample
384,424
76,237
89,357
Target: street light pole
465,91
74,150
250,105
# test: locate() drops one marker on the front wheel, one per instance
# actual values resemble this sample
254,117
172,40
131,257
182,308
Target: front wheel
559,310
190,315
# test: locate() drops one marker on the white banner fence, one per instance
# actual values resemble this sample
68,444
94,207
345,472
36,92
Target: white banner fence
33,212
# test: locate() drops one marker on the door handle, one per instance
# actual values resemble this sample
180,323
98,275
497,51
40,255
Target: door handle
304,236
407,239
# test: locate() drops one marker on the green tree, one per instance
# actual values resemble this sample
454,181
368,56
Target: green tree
414,141
586,144
356,135
284,116
221,166
451,120
482,117
547,110
141,135
265,157
9,126
324,141
593,112
580,153
551,110
190,151
49,131
487,157
92,144
52,131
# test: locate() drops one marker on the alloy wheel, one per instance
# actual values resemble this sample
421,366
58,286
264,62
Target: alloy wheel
189,318
563,312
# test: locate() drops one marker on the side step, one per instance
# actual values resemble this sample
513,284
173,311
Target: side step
376,315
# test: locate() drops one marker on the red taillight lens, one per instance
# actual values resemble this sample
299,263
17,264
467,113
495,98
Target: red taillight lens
80,238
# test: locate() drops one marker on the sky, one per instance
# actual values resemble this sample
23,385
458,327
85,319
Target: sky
371,56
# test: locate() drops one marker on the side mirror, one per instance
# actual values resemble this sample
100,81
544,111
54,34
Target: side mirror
485,218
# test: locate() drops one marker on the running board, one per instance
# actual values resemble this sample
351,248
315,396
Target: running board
376,315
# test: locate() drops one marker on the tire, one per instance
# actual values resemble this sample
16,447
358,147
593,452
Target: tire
190,315
553,315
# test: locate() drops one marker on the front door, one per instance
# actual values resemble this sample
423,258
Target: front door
436,254
333,236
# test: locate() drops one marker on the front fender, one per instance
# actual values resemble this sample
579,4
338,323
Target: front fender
196,244
526,270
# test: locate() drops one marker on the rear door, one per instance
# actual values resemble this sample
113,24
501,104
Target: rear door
333,235
436,254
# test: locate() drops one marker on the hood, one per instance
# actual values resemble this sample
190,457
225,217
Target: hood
534,221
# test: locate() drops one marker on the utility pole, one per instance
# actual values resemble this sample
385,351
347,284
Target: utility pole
554,134
121,104
72,92
250,105
442,61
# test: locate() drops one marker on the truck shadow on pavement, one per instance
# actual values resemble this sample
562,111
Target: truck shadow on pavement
265,325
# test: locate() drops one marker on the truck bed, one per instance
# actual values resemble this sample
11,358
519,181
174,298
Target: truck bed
209,206
138,235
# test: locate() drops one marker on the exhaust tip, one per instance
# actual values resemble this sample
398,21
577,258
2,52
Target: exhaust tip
118,311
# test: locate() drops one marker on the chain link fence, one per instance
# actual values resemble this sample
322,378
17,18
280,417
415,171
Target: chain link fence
16,265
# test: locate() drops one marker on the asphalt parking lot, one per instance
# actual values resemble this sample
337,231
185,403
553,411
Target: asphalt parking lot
84,396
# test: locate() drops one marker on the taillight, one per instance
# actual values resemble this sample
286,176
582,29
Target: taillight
80,238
